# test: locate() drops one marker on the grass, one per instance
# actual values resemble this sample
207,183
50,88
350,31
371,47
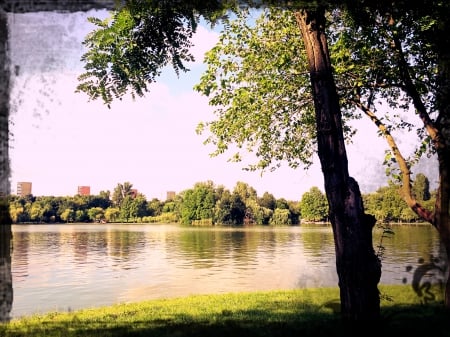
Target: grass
300,312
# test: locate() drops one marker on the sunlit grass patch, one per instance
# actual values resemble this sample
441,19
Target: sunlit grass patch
301,312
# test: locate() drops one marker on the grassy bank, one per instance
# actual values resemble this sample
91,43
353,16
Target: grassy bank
302,312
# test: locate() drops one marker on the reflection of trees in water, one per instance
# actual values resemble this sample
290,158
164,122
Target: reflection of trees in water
125,244
6,288
122,245
421,238
204,248
21,244
85,242
318,240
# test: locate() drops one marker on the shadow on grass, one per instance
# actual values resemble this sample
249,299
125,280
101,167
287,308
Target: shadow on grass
416,320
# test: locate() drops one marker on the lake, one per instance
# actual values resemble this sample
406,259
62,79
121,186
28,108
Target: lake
73,266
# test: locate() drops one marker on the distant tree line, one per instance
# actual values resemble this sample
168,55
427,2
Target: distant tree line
209,204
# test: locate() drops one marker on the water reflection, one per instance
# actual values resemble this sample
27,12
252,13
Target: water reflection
65,267
6,288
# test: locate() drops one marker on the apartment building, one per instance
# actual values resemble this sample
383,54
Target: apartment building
84,190
23,188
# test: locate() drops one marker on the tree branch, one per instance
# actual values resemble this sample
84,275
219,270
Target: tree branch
411,89
406,191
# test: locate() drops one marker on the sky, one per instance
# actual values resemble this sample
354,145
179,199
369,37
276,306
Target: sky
61,140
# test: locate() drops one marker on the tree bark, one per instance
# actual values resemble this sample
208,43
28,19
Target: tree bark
5,219
442,145
4,108
6,288
439,132
358,267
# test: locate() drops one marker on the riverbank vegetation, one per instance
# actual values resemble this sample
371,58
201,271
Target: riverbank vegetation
207,204
299,312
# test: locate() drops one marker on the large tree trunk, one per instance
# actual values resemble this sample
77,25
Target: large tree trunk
358,267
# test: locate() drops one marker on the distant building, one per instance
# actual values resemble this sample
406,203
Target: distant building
133,193
84,190
170,195
23,188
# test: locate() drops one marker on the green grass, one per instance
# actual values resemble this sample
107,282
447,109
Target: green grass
301,312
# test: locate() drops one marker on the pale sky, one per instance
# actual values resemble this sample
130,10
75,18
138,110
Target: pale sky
61,141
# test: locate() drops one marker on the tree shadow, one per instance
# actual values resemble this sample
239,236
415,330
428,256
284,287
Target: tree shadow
299,319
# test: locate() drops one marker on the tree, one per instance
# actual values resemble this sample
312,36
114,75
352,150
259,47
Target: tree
68,215
222,208
115,66
257,214
139,207
81,216
245,191
198,203
104,195
294,209
421,188
282,204
411,69
358,268
120,192
102,200
313,205
36,212
267,201
237,209
263,102
155,207
112,214
357,265
391,203
281,217
95,213
127,208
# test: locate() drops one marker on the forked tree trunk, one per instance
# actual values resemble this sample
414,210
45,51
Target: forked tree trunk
358,267
439,131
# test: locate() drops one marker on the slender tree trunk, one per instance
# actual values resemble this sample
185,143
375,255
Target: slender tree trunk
358,267
4,108
6,289
442,208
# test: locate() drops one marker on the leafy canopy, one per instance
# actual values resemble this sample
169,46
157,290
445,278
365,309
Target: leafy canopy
128,51
257,80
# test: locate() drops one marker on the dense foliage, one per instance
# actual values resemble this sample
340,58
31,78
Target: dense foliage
209,204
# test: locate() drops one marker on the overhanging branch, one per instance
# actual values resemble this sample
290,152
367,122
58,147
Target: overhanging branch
406,191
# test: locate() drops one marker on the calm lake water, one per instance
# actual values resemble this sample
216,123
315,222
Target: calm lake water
68,267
